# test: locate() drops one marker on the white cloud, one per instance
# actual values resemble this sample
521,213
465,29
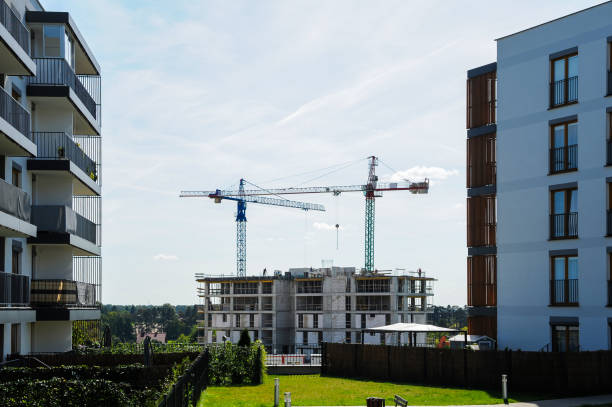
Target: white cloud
324,226
419,172
165,257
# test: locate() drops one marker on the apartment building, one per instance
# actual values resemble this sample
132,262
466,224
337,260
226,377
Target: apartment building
50,185
297,310
539,156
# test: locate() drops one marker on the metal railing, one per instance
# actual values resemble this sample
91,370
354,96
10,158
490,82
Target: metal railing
187,389
309,307
564,292
372,307
609,83
57,71
564,158
15,114
564,225
310,356
62,219
63,293
15,201
610,293
609,152
59,145
13,25
245,307
14,290
418,308
564,91
267,306
301,289
218,307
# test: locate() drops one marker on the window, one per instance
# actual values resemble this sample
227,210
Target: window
1,343
564,280
564,214
347,337
320,338
252,320
68,48
245,288
565,338
609,139
15,338
237,321
2,164
210,320
610,280
609,212
363,321
266,288
300,320
564,147
310,303
224,317
309,287
609,68
16,176
387,319
315,321
400,302
304,337
348,321
51,38
347,303
564,80
15,261
378,285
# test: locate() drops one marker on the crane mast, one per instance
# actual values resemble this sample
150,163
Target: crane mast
370,195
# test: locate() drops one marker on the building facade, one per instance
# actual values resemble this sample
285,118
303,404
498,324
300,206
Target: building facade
540,187
297,310
50,185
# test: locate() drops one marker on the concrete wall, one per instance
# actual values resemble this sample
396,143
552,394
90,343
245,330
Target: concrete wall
53,262
52,336
523,198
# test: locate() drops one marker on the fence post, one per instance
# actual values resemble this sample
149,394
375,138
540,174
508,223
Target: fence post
276,392
465,367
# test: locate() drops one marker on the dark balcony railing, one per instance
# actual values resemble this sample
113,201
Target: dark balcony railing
14,290
56,71
15,201
564,91
59,145
609,222
609,152
564,292
563,158
609,83
63,293
62,219
13,25
564,225
309,307
610,293
218,307
14,113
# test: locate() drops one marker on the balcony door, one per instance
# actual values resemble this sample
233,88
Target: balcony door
565,338
564,145
564,80
564,282
564,218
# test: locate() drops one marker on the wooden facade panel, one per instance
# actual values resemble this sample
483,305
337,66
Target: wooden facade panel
481,220
482,281
481,100
481,161
483,325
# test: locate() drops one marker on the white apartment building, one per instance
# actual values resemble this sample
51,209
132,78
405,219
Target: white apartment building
540,187
50,186
297,310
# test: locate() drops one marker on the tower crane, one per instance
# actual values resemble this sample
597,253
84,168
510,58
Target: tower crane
372,189
241,202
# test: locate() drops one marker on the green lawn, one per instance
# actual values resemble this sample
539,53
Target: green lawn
313,390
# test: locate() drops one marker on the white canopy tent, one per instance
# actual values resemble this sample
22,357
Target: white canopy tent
411,330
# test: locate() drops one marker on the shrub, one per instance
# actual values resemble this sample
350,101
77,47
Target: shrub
233,364
245,339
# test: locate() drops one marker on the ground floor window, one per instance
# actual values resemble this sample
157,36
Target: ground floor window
565,338
15,338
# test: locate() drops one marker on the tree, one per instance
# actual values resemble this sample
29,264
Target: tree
245,339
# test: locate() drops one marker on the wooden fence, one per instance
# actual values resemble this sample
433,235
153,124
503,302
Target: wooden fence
563,373
186,391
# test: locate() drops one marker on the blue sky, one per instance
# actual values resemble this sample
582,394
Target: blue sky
197,94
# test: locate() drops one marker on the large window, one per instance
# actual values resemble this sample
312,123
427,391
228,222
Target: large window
309,287
564,280
564,214
564,80
565,338
245,288
376,285
564,147
52,38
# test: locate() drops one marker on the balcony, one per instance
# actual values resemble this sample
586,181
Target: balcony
563,159
218,307
15,137
564,226
56,78
14,290
58,151
15,212
609,152
609,222
245,307
14,44
564,92
61,225
63,293
564,292
609,293
309,307
609,83
419,308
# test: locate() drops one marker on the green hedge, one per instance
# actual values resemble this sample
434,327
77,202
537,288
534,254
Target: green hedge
60,392
233,364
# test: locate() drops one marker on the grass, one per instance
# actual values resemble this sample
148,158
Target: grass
313,390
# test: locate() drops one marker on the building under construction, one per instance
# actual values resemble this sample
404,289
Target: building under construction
296,310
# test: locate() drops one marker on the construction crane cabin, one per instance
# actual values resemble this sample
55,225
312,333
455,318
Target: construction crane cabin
372,189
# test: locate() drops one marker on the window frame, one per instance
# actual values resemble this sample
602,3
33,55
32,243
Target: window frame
566,285
567,201
566,146
566,78
568,328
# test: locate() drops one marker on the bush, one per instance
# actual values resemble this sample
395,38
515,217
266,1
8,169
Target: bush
245,339
233,364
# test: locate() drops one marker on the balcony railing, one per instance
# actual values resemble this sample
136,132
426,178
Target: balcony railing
564,158
15,201
14,290
218,307
59,145
57,71
609,152
609,83
372,307
610,293
564,91
62,219
63,293
309,289
564,292
419,308
245,307
266,306
309,307
15,114
564,225
13,25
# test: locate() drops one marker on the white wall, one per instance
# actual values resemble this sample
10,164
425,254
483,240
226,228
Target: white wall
53,262
523,197
53,189
51,336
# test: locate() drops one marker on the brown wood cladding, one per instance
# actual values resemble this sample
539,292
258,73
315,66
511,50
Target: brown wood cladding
482,325
481,221
481,163
481,100
482,281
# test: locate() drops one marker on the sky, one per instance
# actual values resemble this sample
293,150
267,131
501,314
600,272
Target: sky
198,94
